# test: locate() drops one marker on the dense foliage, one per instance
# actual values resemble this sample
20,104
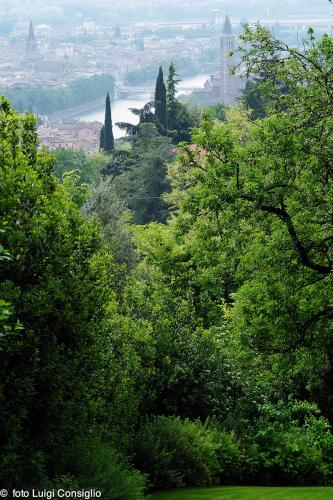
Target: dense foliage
143,175
57,282
245,263
88,167
172,326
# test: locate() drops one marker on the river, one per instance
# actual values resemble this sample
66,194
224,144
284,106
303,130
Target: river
120,107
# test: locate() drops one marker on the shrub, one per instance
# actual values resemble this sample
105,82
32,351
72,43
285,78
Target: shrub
93,465
291,444
177,452
229,455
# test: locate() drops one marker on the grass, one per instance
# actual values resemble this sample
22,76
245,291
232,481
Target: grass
248,493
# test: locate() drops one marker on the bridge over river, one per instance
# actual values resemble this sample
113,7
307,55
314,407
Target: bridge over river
124,92
120,92
124,98
75,111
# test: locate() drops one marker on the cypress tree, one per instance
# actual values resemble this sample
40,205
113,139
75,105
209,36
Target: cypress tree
108,133
160,100
101,138
172,103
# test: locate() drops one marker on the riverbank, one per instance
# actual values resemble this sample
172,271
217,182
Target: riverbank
46,101
75,110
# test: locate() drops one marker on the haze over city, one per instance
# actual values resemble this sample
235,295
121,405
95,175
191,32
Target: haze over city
71,41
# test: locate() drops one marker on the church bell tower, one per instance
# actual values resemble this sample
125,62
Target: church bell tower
228,86
31,52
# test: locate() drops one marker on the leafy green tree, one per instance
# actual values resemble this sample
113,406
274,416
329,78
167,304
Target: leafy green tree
218,111
160,100
269,185
292,444
58,319
254,100
56,256
182,293
88,166
186,119
143,181
144,114
114,218
120,162
180,118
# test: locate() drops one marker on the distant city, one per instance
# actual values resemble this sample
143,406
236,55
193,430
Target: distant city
51,55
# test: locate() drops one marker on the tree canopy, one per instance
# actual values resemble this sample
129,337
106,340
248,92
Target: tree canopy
168,322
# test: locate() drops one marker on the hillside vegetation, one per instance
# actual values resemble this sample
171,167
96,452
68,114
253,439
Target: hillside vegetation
166,310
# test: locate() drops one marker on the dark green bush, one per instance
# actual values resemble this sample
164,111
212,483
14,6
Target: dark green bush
289,445
230,457
177,452
94,465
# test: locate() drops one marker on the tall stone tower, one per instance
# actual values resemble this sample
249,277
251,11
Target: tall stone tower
229,86
31,52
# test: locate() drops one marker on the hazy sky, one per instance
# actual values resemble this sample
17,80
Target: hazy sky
132,10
